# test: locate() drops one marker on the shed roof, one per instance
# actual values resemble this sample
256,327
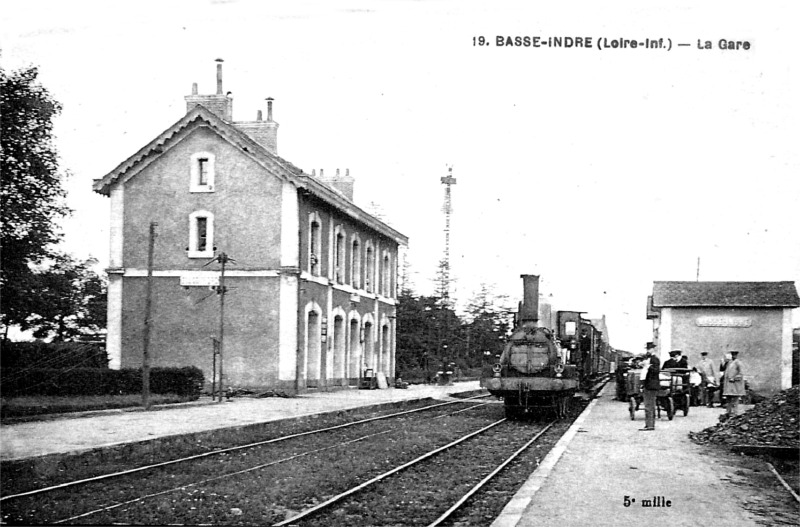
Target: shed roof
725,294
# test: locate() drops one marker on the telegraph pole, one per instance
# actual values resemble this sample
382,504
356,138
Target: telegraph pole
222,259
148,307
447,208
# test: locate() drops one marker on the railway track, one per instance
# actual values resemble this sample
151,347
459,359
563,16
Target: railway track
31,505
325,514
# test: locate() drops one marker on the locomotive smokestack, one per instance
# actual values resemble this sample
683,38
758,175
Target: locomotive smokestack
529,310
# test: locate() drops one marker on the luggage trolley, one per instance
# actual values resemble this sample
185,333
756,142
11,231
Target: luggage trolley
665,398
679,388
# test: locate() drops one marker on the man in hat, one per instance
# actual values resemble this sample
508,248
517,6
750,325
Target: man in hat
709,379
673,362
733,383
650,389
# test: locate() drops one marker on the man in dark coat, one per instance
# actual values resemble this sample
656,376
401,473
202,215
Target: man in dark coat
683,360
650,390
672,361
733,385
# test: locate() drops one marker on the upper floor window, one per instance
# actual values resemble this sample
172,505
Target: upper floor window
386,275
355,261
339,253
201,234
202,172
370,267
314,243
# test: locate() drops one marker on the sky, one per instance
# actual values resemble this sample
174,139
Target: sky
602,169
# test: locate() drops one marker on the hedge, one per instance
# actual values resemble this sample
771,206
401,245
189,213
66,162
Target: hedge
53,355
187,381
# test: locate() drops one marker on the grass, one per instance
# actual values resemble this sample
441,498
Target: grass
29,406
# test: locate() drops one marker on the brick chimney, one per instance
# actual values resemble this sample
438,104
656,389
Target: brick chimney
343,183
262,132
220,104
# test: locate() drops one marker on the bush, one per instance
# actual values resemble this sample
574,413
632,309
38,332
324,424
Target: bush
187,381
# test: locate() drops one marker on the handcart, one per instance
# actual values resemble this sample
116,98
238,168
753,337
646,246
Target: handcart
679,388
634,387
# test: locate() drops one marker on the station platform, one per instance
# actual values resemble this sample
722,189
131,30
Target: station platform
70,435
584,480
605,471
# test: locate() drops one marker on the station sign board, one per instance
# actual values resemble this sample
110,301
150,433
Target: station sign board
724,321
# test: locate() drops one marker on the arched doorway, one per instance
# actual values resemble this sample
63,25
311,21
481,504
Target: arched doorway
385,350
339,375
313,350
369,347
355,351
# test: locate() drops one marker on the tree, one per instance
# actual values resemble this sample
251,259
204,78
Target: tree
67,300
427,332
31,193
488,325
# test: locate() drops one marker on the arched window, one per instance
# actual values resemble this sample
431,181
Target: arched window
386,274
339,258
370,270
314,244
355,261
201,234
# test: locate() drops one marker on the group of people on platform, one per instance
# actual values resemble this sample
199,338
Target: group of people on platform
731,380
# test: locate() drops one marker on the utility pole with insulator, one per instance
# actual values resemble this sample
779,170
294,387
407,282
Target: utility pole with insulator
222,259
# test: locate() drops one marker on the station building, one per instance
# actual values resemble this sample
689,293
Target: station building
754,318
310,287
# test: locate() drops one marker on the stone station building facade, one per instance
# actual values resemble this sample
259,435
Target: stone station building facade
310,291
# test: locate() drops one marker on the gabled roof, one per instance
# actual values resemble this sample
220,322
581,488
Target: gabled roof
200,116
725,294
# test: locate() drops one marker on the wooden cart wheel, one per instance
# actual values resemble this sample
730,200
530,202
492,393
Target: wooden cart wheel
670,408
686,408
632,407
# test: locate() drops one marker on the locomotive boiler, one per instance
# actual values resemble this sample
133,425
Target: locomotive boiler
544,367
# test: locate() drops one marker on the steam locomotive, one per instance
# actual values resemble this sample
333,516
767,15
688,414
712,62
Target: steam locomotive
544,367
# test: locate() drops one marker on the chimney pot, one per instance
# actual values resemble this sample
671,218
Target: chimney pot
219,76
258,115
194,88
269,108
337,173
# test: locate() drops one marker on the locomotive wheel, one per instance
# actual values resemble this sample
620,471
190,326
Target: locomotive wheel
670,408
686,407
632,407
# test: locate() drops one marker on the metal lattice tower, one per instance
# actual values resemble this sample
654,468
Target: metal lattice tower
447,181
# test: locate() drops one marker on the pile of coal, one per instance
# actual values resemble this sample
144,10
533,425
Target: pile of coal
771,422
